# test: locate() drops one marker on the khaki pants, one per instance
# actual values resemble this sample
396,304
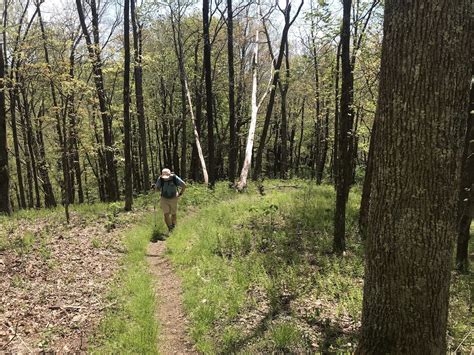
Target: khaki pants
169,205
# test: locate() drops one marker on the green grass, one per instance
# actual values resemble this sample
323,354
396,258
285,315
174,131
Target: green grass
259,275
258,272
130,325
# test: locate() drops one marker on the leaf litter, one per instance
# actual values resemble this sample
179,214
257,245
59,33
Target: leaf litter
55,278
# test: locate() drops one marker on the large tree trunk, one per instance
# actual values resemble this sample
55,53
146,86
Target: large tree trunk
412,225
5,206
209,95
344,141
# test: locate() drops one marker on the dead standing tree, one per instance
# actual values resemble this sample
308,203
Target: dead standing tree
255,107
175,15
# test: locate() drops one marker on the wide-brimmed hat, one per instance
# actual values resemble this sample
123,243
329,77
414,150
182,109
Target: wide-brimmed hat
166,174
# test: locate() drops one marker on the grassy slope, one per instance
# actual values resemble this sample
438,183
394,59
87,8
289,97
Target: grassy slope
258,274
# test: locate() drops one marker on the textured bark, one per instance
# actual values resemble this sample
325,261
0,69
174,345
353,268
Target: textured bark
412,225
5,207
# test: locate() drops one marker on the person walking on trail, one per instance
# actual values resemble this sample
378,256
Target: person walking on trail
171,187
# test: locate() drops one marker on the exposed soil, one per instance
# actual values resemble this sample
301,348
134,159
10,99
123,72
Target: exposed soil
173,338
54,280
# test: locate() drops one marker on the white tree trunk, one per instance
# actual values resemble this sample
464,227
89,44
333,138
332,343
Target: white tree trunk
196,134
253,121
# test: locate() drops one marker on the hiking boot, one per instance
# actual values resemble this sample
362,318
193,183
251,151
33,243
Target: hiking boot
171,227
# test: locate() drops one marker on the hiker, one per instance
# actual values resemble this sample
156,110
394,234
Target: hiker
168,185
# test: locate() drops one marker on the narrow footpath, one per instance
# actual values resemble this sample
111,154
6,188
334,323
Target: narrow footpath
173,338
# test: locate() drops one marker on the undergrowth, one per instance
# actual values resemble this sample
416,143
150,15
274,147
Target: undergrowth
259,275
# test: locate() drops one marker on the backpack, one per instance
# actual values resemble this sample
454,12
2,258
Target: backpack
169,187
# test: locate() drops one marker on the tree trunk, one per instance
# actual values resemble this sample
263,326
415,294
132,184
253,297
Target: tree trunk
5,207
284,116
74,136
126,108
138,77
232,121
412,224
344,155
324,147
94,55
16,146
276,77
62,142
365,201
209,95
253,120
300,141
336,110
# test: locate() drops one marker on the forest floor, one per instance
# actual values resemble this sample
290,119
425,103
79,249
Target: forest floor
55,277
242,273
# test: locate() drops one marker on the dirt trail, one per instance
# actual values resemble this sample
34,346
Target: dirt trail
173,338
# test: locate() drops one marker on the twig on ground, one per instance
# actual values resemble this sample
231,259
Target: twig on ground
462,341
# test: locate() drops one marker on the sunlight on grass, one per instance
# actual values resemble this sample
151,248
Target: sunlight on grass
253,261
130,326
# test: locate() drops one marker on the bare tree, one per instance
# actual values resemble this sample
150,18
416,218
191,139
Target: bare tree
255,107
286,11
